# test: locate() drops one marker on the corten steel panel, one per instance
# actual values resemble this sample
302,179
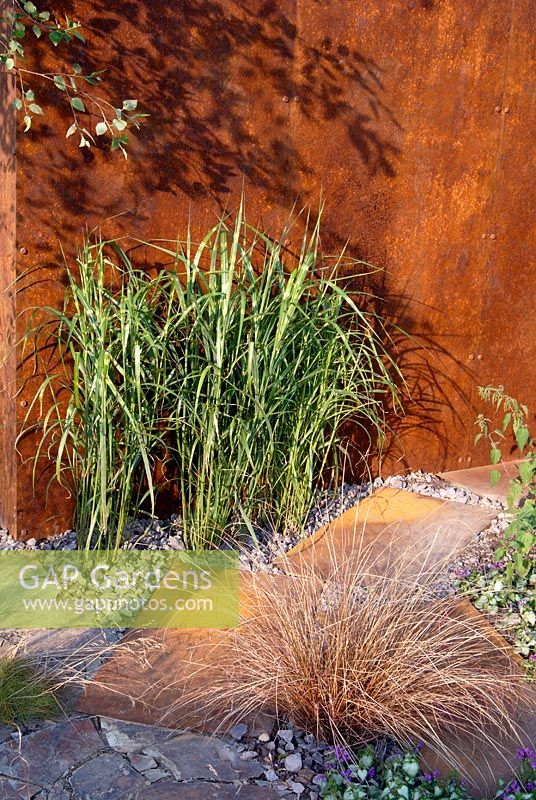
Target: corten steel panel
388,110
507,331
8,468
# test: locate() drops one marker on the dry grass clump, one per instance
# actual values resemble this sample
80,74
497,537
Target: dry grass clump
362,656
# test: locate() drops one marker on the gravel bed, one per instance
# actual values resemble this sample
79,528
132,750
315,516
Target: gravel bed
432,485
294,761
259,554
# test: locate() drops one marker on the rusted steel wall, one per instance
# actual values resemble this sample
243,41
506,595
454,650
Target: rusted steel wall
414,120
8,466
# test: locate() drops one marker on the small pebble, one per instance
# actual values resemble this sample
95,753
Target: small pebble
287,734
297,788
293,763
248,755
239,731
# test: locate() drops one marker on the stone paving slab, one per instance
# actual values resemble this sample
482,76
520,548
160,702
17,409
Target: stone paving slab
107,776
131,738
193,757
393,527
140,682
15,790
483,764
477,479
174,791
44,756
109,760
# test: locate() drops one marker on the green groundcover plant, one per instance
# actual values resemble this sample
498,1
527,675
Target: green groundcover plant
402,776
225,380
506,588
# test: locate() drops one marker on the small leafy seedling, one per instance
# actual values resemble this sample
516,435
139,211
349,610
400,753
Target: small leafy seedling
520,536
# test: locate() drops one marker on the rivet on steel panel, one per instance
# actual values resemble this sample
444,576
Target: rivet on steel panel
296,98
471,356
506,110
23,250
285,99
498,109
286,242
484,236
24,403
492,236
469,459
479,356
460,461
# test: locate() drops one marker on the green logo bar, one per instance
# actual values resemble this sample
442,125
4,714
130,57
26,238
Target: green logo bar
134,589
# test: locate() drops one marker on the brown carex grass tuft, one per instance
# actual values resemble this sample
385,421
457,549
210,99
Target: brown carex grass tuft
363,655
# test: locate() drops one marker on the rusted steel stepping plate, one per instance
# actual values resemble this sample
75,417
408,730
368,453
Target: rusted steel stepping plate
485,756
391,530
477,479
144,678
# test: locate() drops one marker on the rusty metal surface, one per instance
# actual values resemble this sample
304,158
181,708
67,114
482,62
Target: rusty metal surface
8,467
389,112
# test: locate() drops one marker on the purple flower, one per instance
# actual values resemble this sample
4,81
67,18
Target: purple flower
348,774
319,778
462,573
532,657
371,773
419,746
531,786
429,777
341,754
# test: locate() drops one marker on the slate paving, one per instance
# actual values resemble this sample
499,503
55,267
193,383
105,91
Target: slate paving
104,759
